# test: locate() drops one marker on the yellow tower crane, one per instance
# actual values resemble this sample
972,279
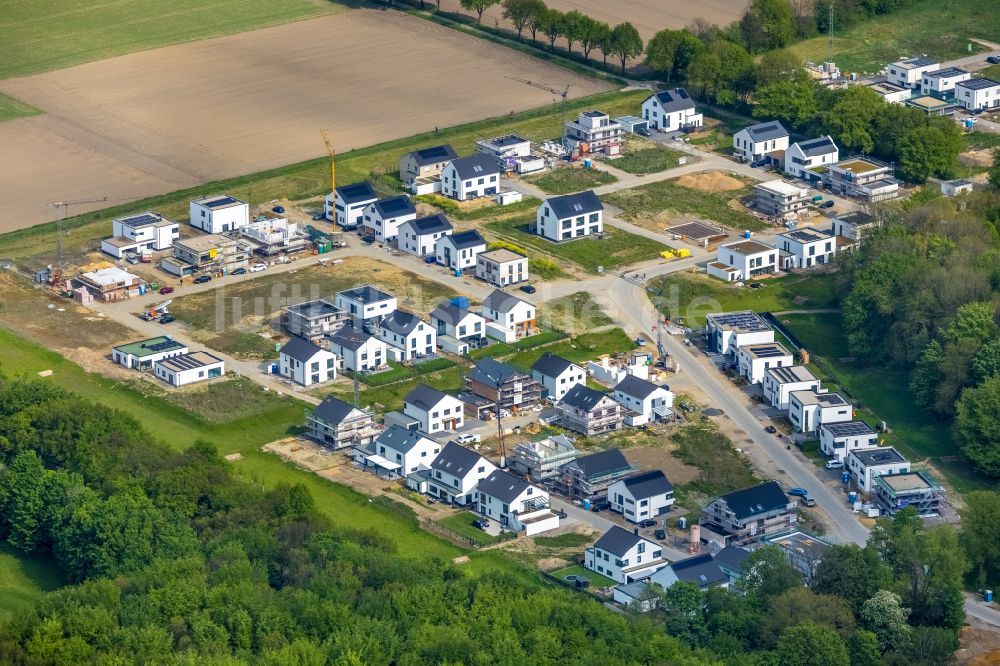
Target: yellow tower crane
333,159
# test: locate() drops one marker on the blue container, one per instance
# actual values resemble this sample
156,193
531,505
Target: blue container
988,596
682,522
586,164
747,234
586,504
845,477
461,301
852,497
274,368
142,289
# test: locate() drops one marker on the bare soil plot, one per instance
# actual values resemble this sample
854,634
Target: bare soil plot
697,232
174,117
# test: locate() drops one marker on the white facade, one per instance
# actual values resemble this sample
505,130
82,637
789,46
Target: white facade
910,72
671,111
369,355
596,130
650,405
382,219
349,204
219,214
570,216
418,239
410,342
470,325
943,80
980,94
753,361
557,385
867,464
515,504
366,303
728,331
757,141
953,188
623,565
808,410
836,440
189,368
516,316
320,367
743,260
890,93
804,155
411,456
471,177
808,247
635,505
442,413
456,472
145,353
780,383
146,232
502,267
458,253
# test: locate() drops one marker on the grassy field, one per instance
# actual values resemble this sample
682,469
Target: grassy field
617,247
722,468
650,201
23,580
596,579
640,159
574,314
390,396
980,140
42,35
565,180
11,108
580,349
942,30
461,524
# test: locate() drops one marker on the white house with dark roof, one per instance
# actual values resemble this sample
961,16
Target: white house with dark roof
641,497
979,94
753,361
346,206
219,214
570,216
757,142
836,440
624,556
459,251
557,375
865,465
358,350
418,236
407,335
671,111
471,177
644,399
382,218
743,516
145,232
728,331
502,267
943,81
338,425
804,155
306,363
742,260
589,412
186,369
908,73
397,451
365,304
779,383
807,247
597,130
451,321
808,410
700,569
516,504
421,169
509,318
436,411
456,472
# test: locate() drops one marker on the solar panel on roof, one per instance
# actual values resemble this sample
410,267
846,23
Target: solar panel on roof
160,346
221,201
682,93
436,151
144,218
745,320
849,429
769,352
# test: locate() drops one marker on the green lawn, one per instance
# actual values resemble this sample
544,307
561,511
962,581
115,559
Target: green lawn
390,396
942,30
649,160
980,140
11,108
596,579
615,249
564,180
41,35
574,314
649,201
568,540
580,349
23,580
461,524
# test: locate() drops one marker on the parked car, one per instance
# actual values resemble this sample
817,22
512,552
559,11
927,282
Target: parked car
561,513
467,438
319,216
661,535
202,279
808,501
642,131
993,60
528,289
257,268
827,204
758,163
649,522
167,319
771,429
278,209
239,271
132,259
600,505
797,492
834,464
481,523
166,290
430,259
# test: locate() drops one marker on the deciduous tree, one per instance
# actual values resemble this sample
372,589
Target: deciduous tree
853,573
977,426
478,6
520,13
625,43
812,644
884,616
767,24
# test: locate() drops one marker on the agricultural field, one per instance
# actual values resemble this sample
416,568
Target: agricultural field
571,179
176,117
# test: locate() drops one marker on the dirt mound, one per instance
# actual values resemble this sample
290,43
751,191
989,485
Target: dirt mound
710,181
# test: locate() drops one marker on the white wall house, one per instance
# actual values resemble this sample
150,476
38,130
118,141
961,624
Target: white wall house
436,411
867,464
671,111
219,214
910,72
890,93
502,267
456,472
644,398
808,247
943,80
808,410
141,355
471,177
742,260
305,363
570,216
595,129
854,225
756,142
407,335
753,361
980,94
365,303
641,497
349,203
453,321
780,383
382,218
516,504
513,318
624,556
460,251
418,236
728,331
146,232
557,375
420,170
804,155
836,440
410,450
358,350
189,368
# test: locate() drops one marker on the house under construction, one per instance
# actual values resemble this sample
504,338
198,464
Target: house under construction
895,492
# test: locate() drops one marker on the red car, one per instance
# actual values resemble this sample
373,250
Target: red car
167,290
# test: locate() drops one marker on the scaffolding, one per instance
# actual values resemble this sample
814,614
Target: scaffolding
895,492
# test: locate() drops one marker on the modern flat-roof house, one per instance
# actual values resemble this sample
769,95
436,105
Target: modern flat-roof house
623,556
109,284
699,569
671,111
932,106
854,225
349,203
862,178
892,94
779,198
219,214
145,232
142,354
456,472
419,236
502,267
746,515
407,335
728,331
458,324
306,363
506,147
499,382
382,218
518,505
570,216
867,464
910,72
275,235
780,383
540,460
589,412
895,492
803,155
836,440
338,425
471,177
641,497
421,169
760,141
943,81
186,369
643,400
807,247
808,410
753,361
952,188
596,130
436,411
313,320
742,260
358,350
206,255
589,477
509,317
804,551
397,451
557,375
365,304
979,94
459,251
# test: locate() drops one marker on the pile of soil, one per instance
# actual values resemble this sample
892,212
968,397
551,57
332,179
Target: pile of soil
710,181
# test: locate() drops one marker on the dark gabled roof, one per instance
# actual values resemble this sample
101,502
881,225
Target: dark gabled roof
300,349
366,294
700,570
489,371
618,541
400,439
501,301
755,500
637,387
333,410
648,484
395,207
350,337
434,155
450,313
824,145
582,397
502,485
400,322
601,463
357,192
466,240
570,205
476,166
551,365
676,99
767,131
432,224
456,460
424,397
732,557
